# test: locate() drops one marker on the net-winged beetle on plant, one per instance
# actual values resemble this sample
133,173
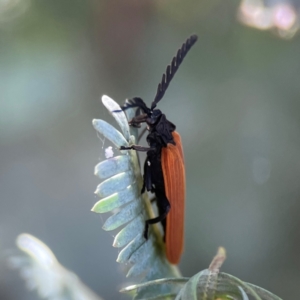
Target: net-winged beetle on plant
164,172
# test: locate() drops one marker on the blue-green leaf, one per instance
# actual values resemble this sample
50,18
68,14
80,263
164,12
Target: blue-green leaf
42,272
208,284
264,294
127,251
115,184
130,113
120,117
157,289
110,133
113,166
139,254
142,259
115,200
129,212
129,232
121,190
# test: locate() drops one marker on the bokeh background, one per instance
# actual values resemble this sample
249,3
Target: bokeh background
235,101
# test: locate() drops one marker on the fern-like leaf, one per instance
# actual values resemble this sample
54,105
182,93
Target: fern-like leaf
121,189
208,284
42,272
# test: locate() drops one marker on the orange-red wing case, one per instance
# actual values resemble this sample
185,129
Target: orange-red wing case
172,162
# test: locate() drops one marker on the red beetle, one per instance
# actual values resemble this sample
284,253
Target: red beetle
164,172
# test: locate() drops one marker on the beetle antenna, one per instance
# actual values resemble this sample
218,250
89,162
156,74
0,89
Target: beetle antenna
172,68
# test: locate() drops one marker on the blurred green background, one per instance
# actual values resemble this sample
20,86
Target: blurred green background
235,101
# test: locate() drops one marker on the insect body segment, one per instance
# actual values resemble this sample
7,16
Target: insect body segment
164,173
172,162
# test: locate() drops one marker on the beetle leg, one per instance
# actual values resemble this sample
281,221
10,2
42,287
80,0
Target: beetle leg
136,147
163,210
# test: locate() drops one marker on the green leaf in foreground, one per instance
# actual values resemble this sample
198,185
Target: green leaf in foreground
208,284
42,272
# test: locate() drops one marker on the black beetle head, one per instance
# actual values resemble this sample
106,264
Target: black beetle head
143,113
153,117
